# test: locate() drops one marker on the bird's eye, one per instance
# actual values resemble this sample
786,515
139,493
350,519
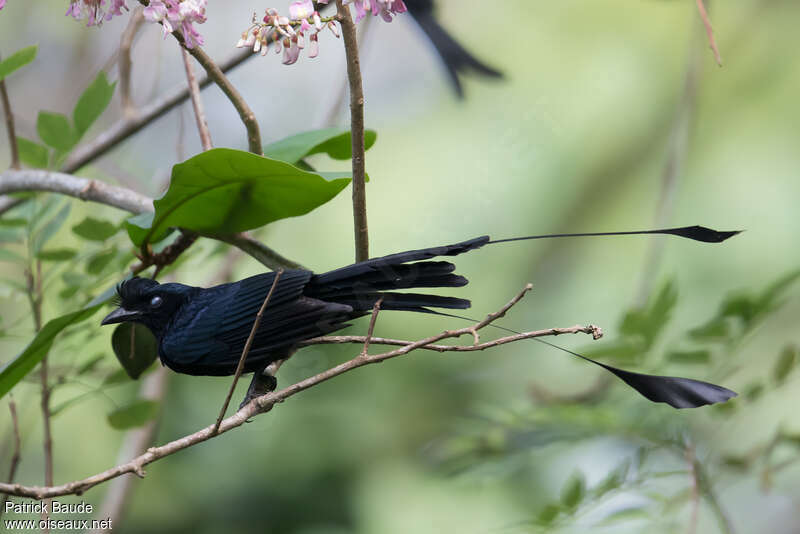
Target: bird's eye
155,302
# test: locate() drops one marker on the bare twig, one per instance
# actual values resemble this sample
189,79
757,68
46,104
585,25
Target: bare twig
127,126
356,131
246,350
12,135
197,103
360,340
167,256
16,455
125,64
709,31
125,199
371,329
94,190
257,406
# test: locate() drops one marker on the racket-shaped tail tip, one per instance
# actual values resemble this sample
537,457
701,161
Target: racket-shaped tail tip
675,391
706,235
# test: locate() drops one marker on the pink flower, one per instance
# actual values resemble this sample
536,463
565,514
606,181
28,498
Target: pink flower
2,4
178,14
94,10
301,10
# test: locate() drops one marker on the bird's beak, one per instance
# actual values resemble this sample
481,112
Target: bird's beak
120,315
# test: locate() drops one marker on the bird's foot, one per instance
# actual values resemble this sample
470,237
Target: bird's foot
261,384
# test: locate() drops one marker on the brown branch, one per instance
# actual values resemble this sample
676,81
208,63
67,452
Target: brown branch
257,406
128,126
371,329
350,38
167,256
246,350
82,188
125,63
12,135
197,103
16,455
119,197
709,31
339,340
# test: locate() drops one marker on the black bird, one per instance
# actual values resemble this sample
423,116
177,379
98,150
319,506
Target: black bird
457,60
203,331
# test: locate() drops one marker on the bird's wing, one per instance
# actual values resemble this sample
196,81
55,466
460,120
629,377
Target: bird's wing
211,332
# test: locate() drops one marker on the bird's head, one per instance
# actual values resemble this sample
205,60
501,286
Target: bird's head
145,301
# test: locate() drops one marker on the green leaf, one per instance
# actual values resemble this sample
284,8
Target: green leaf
548,514
54,129
50,229
573,491
754,391
100,261
18,59
14,222
223,191
717,329
32,153
689,356
92,103
785,363
650,321
333,141
24,363
623,351
626,514
95,229
135,414
120,376
57,254
135,346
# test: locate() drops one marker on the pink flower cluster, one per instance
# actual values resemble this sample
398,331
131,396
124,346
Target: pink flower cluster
179,14
95,11
384,8
289,33
2,4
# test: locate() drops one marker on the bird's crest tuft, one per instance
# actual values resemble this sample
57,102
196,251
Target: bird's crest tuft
132,290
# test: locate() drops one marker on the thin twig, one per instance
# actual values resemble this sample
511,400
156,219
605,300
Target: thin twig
12,135
93,190
350,38
119,197
257,406
197,103
371,329
246,350
360,340
17,454
709,31
125,63
128,126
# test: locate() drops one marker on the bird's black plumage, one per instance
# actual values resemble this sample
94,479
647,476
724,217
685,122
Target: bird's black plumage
202,331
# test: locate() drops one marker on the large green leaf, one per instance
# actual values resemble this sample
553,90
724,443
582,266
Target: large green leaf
24,363
54,129
333,141
223,191
18,59
92,103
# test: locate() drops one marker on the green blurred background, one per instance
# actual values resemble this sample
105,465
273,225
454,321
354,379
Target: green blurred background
575,138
